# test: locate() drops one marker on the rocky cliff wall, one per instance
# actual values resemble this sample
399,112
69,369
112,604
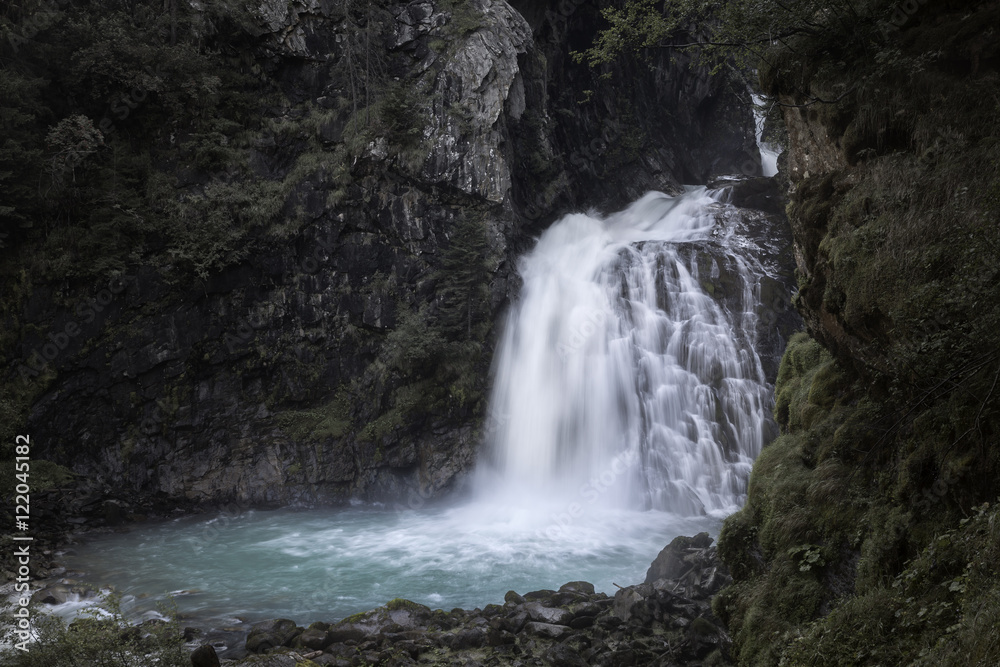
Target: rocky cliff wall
411,150
870,519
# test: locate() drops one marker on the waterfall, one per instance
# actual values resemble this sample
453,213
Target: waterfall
768,155
626,380
620,381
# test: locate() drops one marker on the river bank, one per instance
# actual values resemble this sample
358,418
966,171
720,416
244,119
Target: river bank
667,619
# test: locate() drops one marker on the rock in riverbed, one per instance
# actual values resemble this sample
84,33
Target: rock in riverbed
205,656
666,620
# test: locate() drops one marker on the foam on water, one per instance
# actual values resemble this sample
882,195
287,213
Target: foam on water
323,564
619,379
628,405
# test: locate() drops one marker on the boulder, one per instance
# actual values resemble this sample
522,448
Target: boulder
582,587
560,655
205,656
629,600
538,612
548,630
672,563
565,598
512,596
56,594
543,594
346,632
515,622
466,639
316,639
270,634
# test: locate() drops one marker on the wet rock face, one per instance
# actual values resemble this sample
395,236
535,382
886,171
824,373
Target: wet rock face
477,81
667,619
649,123
232,389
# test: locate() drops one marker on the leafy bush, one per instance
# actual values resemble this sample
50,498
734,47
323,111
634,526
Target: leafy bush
101,637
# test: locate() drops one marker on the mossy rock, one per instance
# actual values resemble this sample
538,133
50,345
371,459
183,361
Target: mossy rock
808,385
703,627
399,604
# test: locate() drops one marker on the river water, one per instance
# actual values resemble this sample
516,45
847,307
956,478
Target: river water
628,406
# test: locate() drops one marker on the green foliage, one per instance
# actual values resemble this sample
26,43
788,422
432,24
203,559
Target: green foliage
464,277
82,103
750,33
802,359
399,114
941,609
639,24
465,17
70,142
395,118
101,637
434,355
823,517
21,150
416,346
446,341
208,231
808,556
44,475
890,440
331,420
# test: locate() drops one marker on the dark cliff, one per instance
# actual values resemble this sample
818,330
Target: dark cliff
871,522
295,298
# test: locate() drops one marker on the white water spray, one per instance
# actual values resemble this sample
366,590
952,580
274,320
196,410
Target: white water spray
620,381
621,385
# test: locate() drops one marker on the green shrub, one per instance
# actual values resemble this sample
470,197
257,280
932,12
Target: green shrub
465,18
100,637
331,420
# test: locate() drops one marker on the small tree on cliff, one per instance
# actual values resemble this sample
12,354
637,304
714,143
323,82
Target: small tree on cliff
749,32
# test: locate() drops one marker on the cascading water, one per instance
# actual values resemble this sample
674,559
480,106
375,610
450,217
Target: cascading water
768,153
628,405
619,378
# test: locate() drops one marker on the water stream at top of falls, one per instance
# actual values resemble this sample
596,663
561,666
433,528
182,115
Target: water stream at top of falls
628,406
768,153
620,380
